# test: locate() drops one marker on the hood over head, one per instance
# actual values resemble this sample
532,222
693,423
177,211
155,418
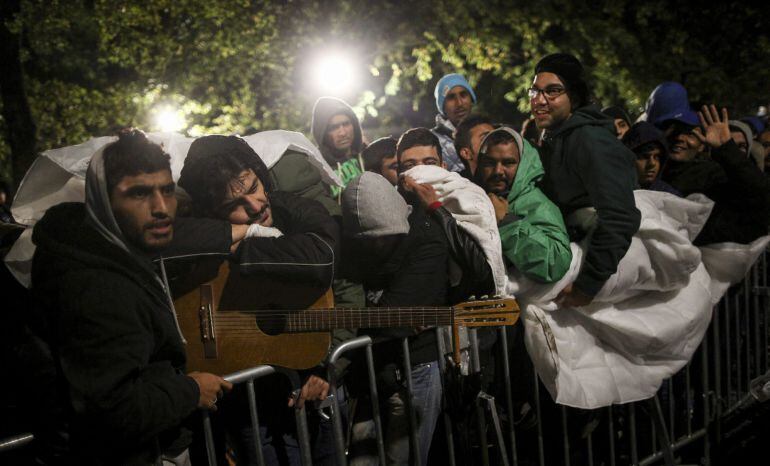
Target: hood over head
745,129
372,208
197,165
669,101
98,205
323,110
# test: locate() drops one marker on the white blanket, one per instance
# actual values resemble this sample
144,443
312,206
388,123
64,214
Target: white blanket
473,211
647,320
58,175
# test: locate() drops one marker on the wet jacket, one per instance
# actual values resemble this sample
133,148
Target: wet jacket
444,131
586,166
536,240
120,359
740,191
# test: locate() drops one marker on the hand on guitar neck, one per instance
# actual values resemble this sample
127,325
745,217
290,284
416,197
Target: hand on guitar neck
315,388
211,387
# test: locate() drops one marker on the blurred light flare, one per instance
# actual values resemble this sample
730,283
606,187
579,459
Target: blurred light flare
170,119
334,73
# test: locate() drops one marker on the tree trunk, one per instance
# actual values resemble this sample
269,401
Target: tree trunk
19,124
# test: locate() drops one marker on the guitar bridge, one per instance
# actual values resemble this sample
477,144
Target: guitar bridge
206,319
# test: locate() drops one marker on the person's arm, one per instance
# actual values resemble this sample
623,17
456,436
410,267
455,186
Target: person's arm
105,343
605,168
537,243
305,253
198,236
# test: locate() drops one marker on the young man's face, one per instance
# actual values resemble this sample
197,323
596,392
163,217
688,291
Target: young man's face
740,140
389,169
470,154
458,104
498,167
246,201
648,165
144,207
550,112
621,127
340,133
419,155
683,146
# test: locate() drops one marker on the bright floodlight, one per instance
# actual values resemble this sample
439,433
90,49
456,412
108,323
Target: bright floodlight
170,119
334,73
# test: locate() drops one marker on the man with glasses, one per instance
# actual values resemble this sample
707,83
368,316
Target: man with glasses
589,174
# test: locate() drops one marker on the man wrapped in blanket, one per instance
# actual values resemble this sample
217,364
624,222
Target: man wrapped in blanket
532,230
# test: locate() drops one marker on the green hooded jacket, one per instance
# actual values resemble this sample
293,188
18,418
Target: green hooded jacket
536,242
587,166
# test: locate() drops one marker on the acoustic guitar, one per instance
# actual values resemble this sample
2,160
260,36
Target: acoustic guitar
233,323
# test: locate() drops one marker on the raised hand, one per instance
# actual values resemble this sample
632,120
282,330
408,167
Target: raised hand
425,192
716,130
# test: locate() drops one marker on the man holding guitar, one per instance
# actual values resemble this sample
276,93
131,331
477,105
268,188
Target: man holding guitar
289,238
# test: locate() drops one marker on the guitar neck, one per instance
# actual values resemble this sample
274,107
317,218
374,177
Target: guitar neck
314,320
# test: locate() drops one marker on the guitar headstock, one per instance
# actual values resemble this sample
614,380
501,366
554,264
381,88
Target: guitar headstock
486,312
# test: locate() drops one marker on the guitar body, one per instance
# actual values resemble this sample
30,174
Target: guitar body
230,321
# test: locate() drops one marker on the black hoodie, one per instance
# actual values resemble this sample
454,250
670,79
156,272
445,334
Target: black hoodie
587,166
121,361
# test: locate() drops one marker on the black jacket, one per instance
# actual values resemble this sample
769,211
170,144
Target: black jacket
740,191
477,279
120,360
586,166
415,274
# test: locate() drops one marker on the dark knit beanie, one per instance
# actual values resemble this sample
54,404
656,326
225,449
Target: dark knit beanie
570,71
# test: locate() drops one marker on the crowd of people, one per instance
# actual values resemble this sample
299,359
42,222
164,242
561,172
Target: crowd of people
110,355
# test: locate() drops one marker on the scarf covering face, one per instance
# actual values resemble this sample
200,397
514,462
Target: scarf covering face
98,203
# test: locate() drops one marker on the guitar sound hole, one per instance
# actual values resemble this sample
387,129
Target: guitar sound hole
274,324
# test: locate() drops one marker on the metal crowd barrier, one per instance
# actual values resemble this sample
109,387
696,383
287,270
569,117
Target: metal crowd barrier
685,422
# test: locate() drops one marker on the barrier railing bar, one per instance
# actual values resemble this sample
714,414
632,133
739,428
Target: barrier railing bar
590,448
339,437
303,436
540,448
414,442
508,393
678,445
739,372
611,430
254,422
17,441
663,438
728,352
632,428
706,391
688,398
481,424
442,367
671,405
565,434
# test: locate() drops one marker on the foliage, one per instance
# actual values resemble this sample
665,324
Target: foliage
91,66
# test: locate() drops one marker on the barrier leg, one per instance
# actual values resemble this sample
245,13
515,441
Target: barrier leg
255,423
414,442
448,433
303,437
508,393
209,437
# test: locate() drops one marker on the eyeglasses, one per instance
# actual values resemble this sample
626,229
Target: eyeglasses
550,92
